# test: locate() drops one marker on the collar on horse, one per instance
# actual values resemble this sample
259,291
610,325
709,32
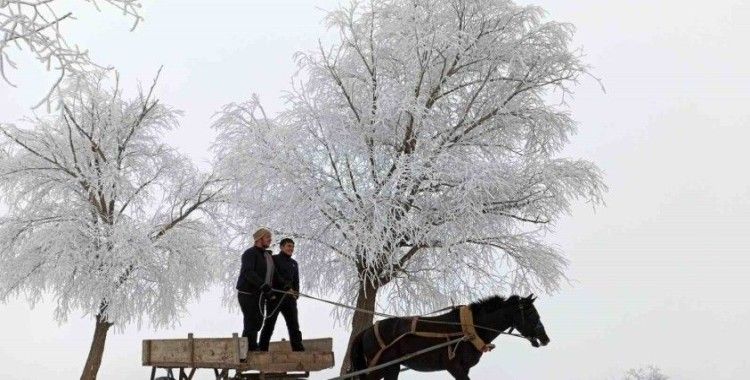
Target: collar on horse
467,328
466,318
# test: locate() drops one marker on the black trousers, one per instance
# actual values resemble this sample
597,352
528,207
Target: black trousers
286,306
252,316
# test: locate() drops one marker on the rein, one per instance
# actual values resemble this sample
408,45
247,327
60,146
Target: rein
502,332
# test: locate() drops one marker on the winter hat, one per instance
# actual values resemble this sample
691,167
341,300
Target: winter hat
260,233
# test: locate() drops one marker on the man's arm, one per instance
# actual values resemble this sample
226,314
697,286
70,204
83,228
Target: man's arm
248,262
295,281
283,281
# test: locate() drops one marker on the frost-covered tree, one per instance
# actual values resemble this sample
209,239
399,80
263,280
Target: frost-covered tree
36,25
646,373
419,156
103,216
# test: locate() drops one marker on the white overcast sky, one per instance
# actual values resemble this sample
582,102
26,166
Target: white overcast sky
659,274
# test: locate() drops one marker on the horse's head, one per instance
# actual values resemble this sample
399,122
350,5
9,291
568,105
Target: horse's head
527,321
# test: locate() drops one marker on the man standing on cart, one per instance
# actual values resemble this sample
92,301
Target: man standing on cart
254,285
285,278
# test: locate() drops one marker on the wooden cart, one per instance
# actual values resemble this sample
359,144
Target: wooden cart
180,358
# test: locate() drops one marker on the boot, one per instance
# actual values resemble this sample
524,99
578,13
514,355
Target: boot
295,339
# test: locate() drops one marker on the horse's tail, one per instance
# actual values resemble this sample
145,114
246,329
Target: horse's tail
357,355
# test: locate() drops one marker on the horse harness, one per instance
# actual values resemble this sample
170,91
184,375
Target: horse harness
467,330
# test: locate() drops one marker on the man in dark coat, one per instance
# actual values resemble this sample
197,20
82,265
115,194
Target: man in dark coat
286,278
254,285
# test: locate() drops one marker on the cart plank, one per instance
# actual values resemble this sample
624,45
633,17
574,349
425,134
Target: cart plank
222,353
281,361
203,352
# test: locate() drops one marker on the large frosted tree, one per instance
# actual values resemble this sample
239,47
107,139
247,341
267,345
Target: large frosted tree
419,156
103,216
36,26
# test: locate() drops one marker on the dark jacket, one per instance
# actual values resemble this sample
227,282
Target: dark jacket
253,270
287,273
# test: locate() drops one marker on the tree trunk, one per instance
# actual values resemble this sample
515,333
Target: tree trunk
361,320
94,360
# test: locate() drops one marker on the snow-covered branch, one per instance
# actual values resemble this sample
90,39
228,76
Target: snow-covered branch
36,25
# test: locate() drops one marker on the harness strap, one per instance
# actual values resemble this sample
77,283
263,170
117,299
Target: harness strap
429,334
467,327
377,335
383,346
426,334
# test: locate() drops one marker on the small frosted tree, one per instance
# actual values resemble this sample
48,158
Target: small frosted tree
102,215
646,373
36,25
418,156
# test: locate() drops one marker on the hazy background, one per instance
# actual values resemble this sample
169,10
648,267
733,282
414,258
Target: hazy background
659,276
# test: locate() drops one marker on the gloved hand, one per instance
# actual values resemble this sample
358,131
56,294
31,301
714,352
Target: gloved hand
267,292
287,286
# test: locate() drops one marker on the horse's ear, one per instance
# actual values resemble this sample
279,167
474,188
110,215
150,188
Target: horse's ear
530,297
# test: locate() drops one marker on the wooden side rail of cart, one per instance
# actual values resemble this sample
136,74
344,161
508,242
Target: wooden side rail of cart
223,355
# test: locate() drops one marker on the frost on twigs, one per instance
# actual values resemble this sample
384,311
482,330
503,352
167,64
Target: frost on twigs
417,157
102,215
36,26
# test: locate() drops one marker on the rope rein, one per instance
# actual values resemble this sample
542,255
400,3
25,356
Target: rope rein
385,315
266,314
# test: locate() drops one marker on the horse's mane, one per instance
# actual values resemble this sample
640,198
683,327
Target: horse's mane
491,303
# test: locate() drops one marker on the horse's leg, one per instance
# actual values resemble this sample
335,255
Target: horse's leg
388,373
392,372
459,373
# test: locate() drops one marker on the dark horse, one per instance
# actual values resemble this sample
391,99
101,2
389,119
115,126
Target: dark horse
491,316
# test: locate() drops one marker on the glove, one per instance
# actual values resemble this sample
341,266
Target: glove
287,286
